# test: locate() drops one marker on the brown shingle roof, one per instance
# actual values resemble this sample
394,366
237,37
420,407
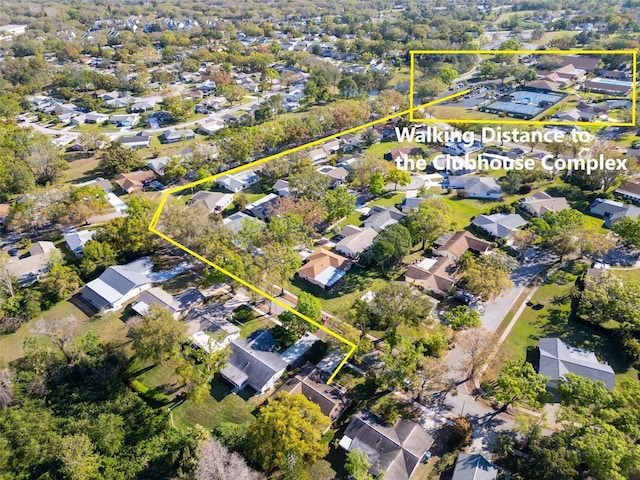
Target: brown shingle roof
320,260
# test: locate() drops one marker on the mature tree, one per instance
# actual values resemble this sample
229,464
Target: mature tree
79,458
307,305
235,147
233,93
312,213
61,332
488,276
391,246
308,183
174,170
523,240
60,283
461,317
396,304
81,203
198,365
519,383
357,465
448,75
96,256
339,203
348,87
398,176
45,161
92,141
279,263
287,434
179,107
377,185
430,88
215,462
400,365
628,230
118,159
430,221
478,345
366,167
158,335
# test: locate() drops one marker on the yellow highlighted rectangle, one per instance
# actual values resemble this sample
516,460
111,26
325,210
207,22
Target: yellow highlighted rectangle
513,121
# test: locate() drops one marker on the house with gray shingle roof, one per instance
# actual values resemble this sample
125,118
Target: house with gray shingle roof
612,211
499,225
541,203
558,358
477,187
253,363
474,467
397,449
383,217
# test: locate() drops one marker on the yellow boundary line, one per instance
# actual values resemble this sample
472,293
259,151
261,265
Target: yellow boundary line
163,200
514,121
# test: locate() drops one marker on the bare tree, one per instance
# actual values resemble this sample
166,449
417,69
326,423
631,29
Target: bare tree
477,345
61,332
6,387
7,280
215,462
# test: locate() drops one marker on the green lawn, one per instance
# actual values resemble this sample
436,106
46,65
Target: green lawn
110,328
357,282
627,274
220,406
548,315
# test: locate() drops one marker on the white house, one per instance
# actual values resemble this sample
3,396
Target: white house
118,284
238,181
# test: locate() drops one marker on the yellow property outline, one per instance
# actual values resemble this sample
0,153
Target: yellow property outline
413,53
171,191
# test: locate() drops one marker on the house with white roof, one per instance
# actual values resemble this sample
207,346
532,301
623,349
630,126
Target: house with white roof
477,187
355,240
118,284
213,201
238,182
76,240
28,269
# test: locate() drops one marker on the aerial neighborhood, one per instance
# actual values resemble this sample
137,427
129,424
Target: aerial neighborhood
221,257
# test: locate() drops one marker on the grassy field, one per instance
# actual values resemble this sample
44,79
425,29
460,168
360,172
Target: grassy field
548,314
110,328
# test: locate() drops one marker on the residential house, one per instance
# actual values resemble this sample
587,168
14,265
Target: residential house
324,268
134,181
238,181
172,136
158,164
435,275
139,140
381,218
558,358
355,240
157,296
332,146
208,128
213,201
95,117
7,32
455,245
541,202
236,221
281,187
312,383
477,187
462,148
473,466
210,327
411,204
318,155
350,143
499,225
253,363
337,175
401,153
125,120
612,211
599,85
263,207
76,240
141,107
118,284
27,270
629,191
395,450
